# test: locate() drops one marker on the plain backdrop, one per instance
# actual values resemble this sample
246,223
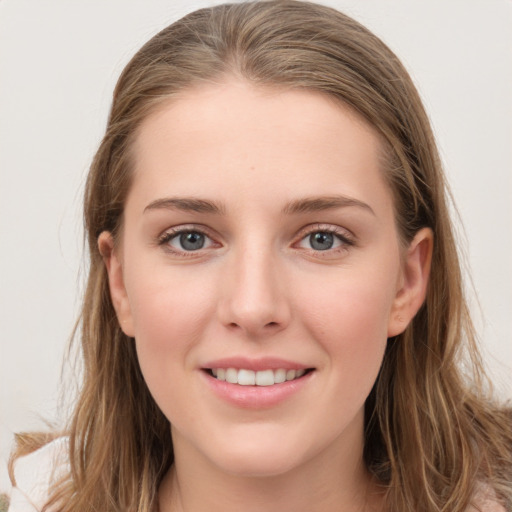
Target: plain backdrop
58,64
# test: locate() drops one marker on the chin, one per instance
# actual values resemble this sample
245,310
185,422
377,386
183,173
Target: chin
271,456
262,466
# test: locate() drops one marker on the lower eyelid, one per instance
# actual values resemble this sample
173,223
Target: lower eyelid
343,244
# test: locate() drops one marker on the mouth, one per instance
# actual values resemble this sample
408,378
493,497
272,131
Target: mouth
246,377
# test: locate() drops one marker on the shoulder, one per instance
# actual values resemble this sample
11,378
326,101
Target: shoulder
34,474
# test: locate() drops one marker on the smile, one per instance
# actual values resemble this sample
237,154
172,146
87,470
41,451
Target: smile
244,377
256,383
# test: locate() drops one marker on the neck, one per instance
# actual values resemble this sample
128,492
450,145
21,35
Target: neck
333,480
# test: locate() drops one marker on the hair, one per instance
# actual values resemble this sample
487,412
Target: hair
432,435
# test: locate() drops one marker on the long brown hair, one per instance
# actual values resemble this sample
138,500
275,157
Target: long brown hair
431,433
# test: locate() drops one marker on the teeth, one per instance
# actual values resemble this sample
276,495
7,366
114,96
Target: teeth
265,378
279,376
232,376
261,378
246,378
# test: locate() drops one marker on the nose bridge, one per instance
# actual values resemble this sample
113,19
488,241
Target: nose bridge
254,298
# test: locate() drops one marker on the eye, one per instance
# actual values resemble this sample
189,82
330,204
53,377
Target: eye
325,240
186,240
321,241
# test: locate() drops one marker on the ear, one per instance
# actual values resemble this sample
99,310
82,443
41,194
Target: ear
118,293
412,288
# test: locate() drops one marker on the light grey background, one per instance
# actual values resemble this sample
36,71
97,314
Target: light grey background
58,64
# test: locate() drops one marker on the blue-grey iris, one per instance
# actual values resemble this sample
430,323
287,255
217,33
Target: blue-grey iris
192,241
321,241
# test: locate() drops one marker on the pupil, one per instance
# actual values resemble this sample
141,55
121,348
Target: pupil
192,241
321,241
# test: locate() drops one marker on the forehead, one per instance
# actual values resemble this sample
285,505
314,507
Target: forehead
235,104
237,134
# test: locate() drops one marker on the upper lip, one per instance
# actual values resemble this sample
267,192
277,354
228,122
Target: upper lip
256,364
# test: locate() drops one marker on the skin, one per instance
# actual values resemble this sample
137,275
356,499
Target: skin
259,288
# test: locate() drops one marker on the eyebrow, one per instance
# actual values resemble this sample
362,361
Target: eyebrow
187,204
305,205
316,204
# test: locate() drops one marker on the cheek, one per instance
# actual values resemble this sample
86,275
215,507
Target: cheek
168,308
169,317
351,305
349,318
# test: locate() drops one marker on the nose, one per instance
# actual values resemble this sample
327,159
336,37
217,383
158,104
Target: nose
254,297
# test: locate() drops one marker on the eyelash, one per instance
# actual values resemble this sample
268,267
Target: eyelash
173,233
342,235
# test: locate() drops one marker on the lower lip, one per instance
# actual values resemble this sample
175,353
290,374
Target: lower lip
256,397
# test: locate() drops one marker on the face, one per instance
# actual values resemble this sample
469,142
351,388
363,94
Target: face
260,272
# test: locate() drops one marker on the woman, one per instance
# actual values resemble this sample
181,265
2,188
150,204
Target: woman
274,313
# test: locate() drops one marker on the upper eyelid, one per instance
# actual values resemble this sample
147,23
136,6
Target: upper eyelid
329,228
318,226
186,228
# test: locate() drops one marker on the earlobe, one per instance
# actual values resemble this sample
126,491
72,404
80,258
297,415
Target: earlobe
118,293
414,281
